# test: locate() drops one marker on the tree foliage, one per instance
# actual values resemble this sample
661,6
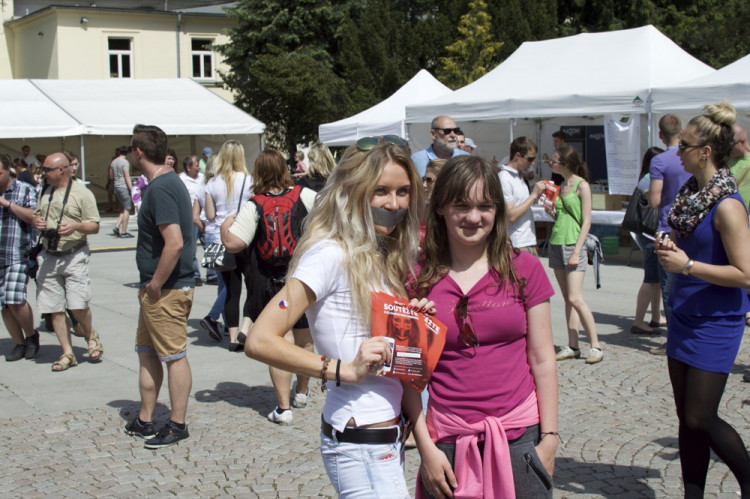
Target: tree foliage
472,53
295,64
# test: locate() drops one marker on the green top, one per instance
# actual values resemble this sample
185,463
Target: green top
567,226
739,167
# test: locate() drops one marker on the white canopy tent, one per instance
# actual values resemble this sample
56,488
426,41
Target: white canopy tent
730,83
583,76
101,115
385,118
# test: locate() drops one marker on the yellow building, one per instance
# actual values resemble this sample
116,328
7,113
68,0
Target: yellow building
95,39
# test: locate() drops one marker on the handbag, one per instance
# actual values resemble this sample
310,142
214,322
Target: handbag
216,256
640,218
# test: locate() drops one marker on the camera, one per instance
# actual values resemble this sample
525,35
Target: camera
52,237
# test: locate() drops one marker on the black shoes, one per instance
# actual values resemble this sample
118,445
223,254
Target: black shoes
141,430
169,435
31,346
198,282
212,327
16,354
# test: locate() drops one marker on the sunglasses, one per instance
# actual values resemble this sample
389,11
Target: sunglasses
428,180
46,169
448,131
684,146
367,143
531,159
466,332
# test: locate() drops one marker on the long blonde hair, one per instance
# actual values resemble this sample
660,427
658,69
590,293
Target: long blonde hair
320,161
342,213
231,159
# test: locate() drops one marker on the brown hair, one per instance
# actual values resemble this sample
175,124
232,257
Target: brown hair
270,172
569,158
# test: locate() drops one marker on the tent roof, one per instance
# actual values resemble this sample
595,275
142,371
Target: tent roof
585,74
28,113
731,83
178,106
386,117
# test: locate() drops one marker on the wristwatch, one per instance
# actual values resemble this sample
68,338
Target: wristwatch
687,267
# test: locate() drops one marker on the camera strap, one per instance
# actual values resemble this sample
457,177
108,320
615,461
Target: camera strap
65,201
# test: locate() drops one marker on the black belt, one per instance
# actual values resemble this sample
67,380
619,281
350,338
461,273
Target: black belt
361,435
67,251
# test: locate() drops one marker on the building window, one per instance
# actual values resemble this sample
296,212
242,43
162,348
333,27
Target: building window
203,59
120,58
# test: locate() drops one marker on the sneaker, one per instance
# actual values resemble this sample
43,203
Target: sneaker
16,354
662,350
300,399
595,355
212,327
198,282
116,231
142,430
283,418
568,353
169,435
126,235
31,346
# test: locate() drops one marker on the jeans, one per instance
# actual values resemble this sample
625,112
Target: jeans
217,308
196,267
364,470
666,280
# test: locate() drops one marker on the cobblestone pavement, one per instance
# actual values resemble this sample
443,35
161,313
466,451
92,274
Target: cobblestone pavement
62,434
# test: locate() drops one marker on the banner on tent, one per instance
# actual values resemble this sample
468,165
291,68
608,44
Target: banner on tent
623,143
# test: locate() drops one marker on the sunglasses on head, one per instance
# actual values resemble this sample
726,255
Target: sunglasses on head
448,131
367,143
463,319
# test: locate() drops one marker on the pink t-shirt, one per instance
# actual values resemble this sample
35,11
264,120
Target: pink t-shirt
495,377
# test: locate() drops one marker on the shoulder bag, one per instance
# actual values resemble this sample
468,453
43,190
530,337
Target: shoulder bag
591,241
216,256
640,218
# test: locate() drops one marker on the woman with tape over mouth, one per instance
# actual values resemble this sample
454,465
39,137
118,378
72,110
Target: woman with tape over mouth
361,236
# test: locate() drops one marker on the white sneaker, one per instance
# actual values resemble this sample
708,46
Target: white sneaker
595,355
568,353
284,418
300,399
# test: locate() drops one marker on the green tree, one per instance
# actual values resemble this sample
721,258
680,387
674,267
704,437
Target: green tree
281,64
471,55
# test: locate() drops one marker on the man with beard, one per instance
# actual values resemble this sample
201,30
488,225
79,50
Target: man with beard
444,133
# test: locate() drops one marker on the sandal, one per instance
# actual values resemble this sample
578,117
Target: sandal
96,348
58,366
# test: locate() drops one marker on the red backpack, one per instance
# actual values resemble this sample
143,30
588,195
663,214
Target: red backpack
279,225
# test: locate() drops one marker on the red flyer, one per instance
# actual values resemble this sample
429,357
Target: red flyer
549,194
416,339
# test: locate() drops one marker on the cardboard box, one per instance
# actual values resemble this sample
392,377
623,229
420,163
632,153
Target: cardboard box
606,202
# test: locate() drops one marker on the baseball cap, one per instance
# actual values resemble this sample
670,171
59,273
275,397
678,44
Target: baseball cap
470,143
207,151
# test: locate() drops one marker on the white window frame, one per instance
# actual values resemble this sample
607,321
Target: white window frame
119,54
201,57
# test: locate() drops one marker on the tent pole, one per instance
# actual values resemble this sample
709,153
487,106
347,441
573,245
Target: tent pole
512,127
650,117
83,161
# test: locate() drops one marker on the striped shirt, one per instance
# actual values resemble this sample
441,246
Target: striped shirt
16,236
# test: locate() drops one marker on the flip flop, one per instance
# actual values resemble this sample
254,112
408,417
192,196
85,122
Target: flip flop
641,330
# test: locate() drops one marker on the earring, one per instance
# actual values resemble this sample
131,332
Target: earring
702,163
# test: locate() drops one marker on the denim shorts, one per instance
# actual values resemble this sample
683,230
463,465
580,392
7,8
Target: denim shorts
650,260
530,479
364,470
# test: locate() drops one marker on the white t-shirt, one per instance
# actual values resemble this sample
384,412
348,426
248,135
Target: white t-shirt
522,231
200,196
192,184
217,188
338,332
246,223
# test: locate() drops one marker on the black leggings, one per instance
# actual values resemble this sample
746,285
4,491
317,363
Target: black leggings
233,281
697,394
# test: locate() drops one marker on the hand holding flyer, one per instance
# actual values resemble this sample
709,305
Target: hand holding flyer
416,339
549,195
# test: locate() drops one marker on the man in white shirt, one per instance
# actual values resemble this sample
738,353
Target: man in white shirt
516,193
192,178
31,161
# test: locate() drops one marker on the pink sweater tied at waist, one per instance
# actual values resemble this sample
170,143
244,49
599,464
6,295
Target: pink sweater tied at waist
489,477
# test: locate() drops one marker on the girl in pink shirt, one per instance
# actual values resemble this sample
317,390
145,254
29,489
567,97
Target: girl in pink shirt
491,423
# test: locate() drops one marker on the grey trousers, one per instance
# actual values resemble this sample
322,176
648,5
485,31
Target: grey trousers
530,478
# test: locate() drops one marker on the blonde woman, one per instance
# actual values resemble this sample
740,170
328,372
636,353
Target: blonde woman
320,168
230,187
361,236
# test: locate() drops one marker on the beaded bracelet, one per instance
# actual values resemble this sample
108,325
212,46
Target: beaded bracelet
326,360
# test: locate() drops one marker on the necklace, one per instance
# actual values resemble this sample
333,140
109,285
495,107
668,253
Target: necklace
158,172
